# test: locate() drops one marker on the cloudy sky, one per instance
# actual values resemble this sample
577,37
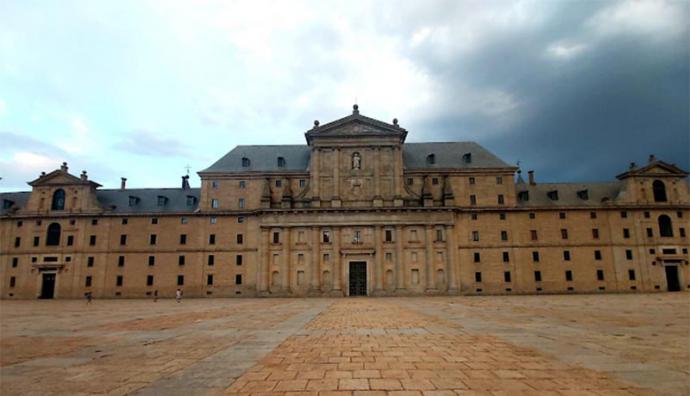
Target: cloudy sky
574,90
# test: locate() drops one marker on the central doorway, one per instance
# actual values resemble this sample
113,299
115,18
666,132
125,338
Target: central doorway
672,278
358,278
48,286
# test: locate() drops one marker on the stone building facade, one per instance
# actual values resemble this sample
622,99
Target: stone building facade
355,211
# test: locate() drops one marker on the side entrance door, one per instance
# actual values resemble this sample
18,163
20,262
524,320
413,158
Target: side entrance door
358,278
48,286
672,278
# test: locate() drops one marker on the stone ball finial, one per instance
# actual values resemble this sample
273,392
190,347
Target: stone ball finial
355,109
316,123
395,121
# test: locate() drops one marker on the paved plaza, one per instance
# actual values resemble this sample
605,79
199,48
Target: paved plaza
431,346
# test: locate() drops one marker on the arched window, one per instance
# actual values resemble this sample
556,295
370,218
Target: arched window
245,162
58,200
281,162
53,236
659,191
431,159
665,226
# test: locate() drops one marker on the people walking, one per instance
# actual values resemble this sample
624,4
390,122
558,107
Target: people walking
178,295
155,296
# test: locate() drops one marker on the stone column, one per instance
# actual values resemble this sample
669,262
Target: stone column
286,266
336,259
399,267
452,263
316,259
429,258
264,265
315,170
378,260
377,173
336,175
397,173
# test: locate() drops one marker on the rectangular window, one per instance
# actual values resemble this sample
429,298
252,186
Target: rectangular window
501,200
17,241
238,279
595,233
154,220
240,219
499,179
624,215
211,259
626,233
212,239
13,281
209,280
243,184
125,221
475,216
439,235
434,180
569,275
475,236
87,282
119,280
70,240
183,220
564,233
21,223
121,261
631,274
537,276
180,260
149,280
477,276
240,239
566,255
92,240
214,220
214,203
473,199
37,241
152,260
389,257
647,215
600,275
532,215
327,257
501,216
123,239
276,237
180,280
152,239
89,261
592,215
477,257
561,215
650,233
506,257
535,256
302,183
238,259
326,236
506,276
472,180
214,184
410,181
241,203
681,231
279,183
15,262
358,237
597,254
94,221
533,235
504,235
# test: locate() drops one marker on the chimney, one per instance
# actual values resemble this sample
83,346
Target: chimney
531,177
64,167
652,158
84,176
185,182
123,183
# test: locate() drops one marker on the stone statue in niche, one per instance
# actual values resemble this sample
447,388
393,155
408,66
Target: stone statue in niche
356,161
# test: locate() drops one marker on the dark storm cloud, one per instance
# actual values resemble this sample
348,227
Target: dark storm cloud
621,97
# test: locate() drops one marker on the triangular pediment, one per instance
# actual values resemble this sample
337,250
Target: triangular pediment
655,169
356,125
60,178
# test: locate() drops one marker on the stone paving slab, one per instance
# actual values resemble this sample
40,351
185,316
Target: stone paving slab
427,346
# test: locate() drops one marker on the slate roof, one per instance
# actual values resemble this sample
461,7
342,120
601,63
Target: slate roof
597,193
117,201
449,155
264,158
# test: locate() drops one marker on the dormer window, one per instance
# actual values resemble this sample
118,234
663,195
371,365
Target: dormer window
133,201
281,162
583,194
431,159
245,162
523,196
58,200
467,158
162,201
553,195
191,200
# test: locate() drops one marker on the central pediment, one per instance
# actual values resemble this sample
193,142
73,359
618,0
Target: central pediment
355,126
